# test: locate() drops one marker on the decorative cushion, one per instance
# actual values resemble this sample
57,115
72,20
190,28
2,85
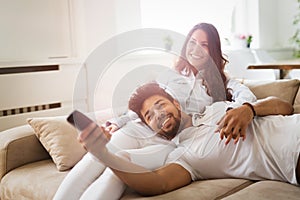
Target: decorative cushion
297,103
60,139
284,89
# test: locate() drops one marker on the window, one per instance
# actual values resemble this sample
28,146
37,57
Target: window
181,16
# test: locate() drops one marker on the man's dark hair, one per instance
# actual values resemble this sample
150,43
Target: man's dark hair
144,92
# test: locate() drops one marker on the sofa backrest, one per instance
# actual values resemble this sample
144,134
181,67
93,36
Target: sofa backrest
297,103
287,89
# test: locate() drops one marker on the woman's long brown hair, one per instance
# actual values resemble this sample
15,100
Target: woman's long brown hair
214,76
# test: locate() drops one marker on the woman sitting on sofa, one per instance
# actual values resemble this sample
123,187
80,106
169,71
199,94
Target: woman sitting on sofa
199,80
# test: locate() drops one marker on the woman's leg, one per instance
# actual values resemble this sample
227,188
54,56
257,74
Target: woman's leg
84,179
133,135
79,178
152,156
87,171
108,186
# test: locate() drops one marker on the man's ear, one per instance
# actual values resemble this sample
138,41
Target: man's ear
177,104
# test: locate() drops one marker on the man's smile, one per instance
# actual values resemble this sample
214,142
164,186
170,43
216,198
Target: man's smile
165,121
164,124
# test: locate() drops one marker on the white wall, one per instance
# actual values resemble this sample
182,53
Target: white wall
128,15
96,21
34,30
99,21
268,23
275,23
73,28
40,30
287,9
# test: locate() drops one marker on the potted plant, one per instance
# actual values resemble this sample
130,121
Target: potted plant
249,40
168,41
242,40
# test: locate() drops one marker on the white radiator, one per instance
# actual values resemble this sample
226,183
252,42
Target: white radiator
35,91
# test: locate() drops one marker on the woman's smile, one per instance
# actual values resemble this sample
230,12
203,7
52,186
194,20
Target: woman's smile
196,57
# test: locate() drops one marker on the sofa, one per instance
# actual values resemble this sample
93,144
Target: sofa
31,169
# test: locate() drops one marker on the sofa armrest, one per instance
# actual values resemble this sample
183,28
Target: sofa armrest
19,146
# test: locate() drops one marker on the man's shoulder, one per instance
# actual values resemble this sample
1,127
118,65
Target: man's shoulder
211,115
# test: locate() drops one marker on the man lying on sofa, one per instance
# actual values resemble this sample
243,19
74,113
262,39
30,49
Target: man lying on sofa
271,150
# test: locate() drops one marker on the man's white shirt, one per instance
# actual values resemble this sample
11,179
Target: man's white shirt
270,151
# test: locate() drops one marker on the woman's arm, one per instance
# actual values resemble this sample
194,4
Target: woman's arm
272,106
114,124
240,93
235,122
142,180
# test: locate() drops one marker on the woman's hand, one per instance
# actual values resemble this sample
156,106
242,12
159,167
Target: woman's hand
234,123
112,128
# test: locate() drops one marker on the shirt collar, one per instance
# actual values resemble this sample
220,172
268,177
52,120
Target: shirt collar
196,119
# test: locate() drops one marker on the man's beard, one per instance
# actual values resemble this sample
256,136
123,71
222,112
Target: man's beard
173,132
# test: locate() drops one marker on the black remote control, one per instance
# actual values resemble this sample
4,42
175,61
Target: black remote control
79,120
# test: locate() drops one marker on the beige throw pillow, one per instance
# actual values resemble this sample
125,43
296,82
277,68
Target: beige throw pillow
60,139
284,89
297,102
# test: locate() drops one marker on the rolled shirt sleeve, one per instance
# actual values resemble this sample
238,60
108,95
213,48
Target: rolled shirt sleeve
240,93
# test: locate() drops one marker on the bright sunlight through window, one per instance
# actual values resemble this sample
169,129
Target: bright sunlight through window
181,16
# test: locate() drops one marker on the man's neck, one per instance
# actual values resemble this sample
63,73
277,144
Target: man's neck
186,121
